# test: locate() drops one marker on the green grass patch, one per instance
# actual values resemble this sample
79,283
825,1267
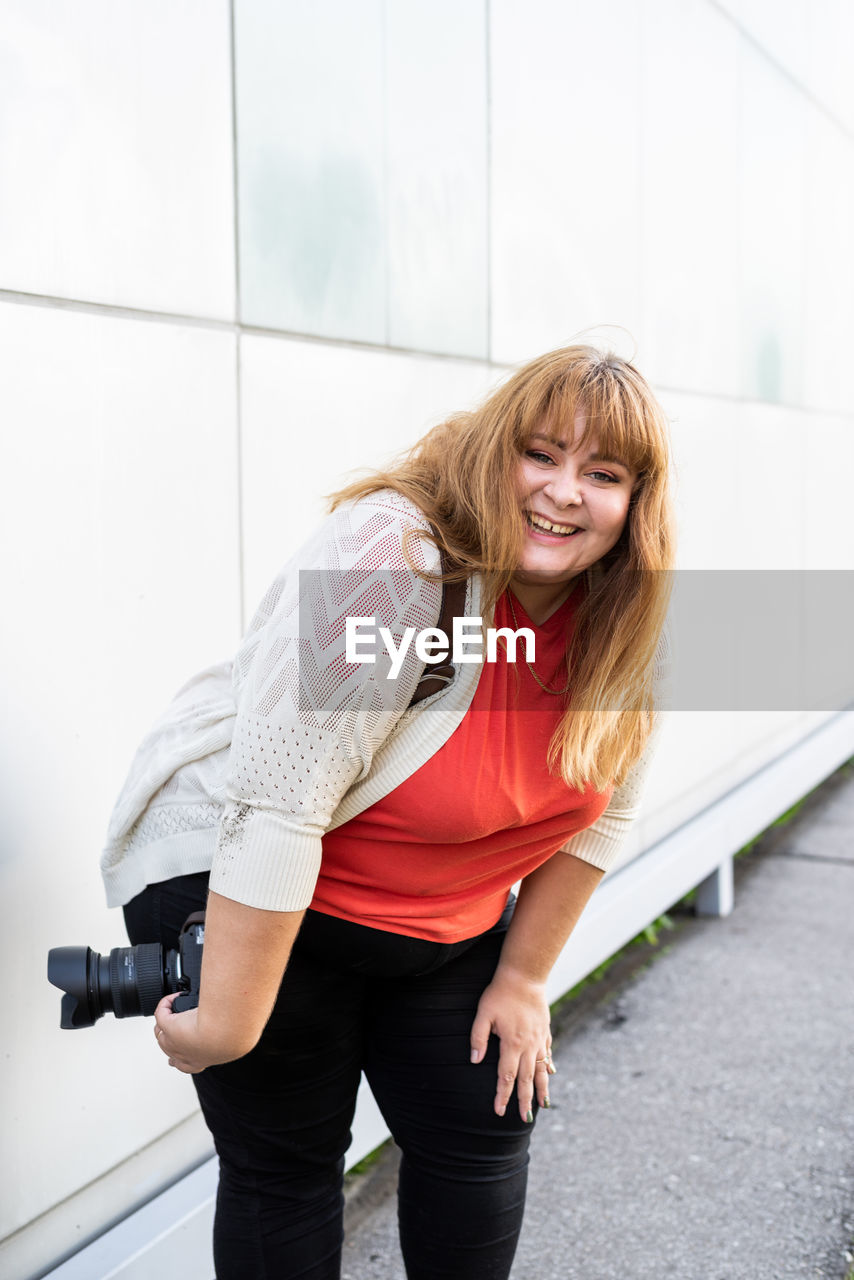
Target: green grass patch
372,1158
648,937
651,935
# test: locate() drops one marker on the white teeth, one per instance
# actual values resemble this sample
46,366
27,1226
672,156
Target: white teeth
539,523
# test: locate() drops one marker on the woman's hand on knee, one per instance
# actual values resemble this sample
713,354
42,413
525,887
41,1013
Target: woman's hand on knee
516,1010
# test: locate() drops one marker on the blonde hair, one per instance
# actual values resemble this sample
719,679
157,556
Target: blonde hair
462,475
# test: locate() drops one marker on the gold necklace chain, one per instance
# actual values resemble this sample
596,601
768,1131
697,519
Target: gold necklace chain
556,692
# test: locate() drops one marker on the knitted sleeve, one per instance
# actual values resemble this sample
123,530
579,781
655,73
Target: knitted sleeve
601,842
308,721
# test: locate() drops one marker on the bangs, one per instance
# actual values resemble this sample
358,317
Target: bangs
619,412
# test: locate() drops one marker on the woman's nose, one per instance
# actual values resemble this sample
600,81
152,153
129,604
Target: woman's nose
564,489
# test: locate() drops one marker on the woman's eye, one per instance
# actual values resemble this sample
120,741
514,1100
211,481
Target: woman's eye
605,475
537,455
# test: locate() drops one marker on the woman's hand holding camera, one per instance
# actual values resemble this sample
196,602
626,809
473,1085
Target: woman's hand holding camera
179,1036
245,953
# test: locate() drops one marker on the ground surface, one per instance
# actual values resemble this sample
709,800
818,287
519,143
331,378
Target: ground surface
703,1112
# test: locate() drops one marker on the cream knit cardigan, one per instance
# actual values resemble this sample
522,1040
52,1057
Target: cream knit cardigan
255,759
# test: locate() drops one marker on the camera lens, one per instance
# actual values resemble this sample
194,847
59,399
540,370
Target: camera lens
128,982
135,979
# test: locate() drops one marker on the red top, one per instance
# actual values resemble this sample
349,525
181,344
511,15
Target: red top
436,857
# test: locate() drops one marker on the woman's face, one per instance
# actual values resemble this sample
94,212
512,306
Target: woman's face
575,502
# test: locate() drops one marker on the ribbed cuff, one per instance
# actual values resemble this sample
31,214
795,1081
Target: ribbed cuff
598,848
263,861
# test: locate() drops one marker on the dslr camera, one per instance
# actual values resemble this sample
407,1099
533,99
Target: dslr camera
130,981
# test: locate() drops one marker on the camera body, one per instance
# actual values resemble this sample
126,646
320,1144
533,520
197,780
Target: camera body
130,981
190,945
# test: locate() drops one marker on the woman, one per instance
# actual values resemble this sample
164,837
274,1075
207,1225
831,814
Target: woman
402,953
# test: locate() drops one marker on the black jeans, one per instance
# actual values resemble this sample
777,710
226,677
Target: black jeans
400,1009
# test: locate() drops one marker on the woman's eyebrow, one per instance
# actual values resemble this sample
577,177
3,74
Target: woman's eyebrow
595,456
549,439
605,457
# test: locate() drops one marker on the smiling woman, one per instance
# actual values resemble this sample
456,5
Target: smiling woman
355,843
576,431
576,502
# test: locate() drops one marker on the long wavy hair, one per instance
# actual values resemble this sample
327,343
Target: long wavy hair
463,476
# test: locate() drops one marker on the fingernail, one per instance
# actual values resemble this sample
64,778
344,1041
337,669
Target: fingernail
475,1055
530,1117
547,1102
552,1069
501,1110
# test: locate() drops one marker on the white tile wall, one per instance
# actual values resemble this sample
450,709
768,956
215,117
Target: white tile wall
700,756
362,143
780,27
119,523
770,487
741,484
115,146
566,172
691,317
813,43
830,27
436,126
773,233
829,264
827,450
704,434
313,412
312,166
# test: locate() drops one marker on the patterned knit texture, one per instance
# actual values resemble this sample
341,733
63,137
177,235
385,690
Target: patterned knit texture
282,733
255,759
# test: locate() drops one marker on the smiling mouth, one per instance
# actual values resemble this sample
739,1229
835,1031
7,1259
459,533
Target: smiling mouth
548,526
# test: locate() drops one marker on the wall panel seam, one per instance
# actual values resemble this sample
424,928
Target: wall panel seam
781,67
487,53
82,307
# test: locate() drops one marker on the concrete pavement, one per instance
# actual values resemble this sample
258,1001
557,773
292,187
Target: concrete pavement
702,1124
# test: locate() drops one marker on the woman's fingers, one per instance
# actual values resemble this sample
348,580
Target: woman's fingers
519,1072
516,1013
480,1030
528,1075
171,1031
525,1087
162,1014
508,1067
545,1068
